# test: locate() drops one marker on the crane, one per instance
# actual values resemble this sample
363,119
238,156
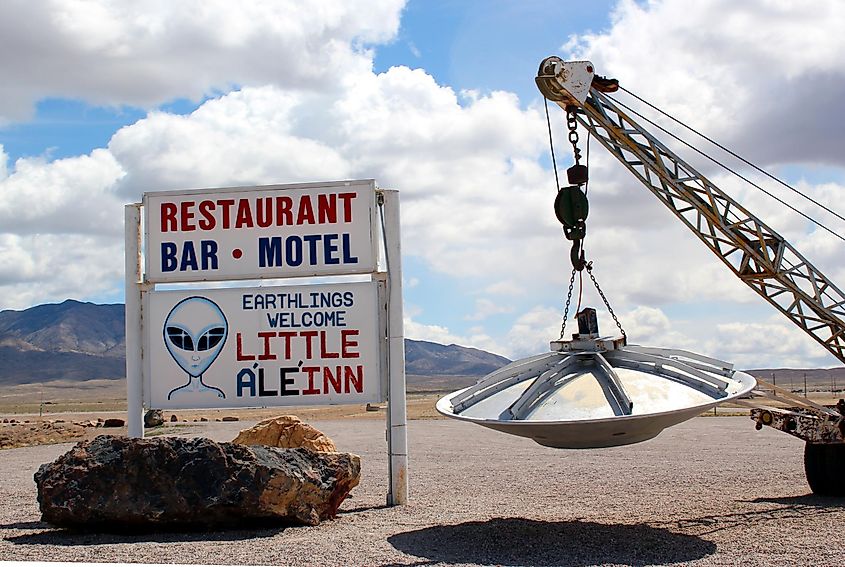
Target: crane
755,253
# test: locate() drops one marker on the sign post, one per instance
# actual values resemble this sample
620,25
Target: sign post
311,343
396,406
134,333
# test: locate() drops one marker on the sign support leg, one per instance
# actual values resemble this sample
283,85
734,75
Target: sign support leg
134,377
397,418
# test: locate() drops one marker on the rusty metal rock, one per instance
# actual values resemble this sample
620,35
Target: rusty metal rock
117,484
286,431
153,418
803,423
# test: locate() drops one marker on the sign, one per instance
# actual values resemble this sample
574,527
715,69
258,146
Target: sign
275,231
221,347
265,346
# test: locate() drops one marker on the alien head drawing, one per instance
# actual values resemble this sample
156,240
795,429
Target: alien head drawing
194,332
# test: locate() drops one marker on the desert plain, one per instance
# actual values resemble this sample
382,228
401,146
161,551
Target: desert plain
711,491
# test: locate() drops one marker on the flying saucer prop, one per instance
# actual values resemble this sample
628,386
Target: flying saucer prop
597,392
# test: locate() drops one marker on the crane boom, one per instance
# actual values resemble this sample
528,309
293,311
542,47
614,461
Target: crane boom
753,251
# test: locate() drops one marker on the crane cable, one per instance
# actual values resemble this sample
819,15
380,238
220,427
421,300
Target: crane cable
717,162
557,188
551,144
737,156
585,265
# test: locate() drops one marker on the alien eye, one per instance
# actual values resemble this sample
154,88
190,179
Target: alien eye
211,338
180,338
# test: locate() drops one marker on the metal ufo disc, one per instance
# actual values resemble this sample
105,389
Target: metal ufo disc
597,398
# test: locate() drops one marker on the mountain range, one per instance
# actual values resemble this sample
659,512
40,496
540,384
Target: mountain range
73,340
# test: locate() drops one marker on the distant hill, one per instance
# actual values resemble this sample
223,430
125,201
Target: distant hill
71,326
73,340
432,359
65,341
78,341
818,379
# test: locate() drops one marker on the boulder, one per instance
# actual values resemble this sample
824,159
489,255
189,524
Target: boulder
285,431
115,483
231,418
153,418
114,422
173,418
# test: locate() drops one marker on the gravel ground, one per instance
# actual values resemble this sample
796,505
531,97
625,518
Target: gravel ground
711,491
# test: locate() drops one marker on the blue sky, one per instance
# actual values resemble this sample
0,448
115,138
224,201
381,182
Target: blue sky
437,99
458,42
66,127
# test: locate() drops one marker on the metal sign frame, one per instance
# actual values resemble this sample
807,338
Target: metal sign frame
383,219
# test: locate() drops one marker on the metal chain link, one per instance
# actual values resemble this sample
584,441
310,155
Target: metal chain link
603,298
572,124
568,300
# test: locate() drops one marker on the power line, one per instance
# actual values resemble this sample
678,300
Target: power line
717,162
737,156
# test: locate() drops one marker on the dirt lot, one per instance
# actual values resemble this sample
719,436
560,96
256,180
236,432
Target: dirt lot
64,422
707,492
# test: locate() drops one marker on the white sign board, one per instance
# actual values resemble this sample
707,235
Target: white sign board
339,343
264,346
276,231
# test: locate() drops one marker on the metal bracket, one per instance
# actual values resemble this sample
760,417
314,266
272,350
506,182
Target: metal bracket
588,344
567,82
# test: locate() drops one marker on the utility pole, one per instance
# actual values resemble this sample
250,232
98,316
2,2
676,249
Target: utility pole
774,379
805,384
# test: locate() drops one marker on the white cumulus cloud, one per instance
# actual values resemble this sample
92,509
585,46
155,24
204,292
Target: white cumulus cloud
152,51
298,101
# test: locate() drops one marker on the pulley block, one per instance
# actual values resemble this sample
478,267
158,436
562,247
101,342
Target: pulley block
571,209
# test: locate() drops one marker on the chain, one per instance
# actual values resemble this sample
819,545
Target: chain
603,298
568,300
572,124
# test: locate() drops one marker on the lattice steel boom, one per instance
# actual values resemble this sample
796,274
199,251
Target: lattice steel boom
755,253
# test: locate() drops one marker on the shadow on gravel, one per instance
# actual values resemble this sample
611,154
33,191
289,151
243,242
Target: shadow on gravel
24,526
810,500
71,538
517,541
341,512
789,508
